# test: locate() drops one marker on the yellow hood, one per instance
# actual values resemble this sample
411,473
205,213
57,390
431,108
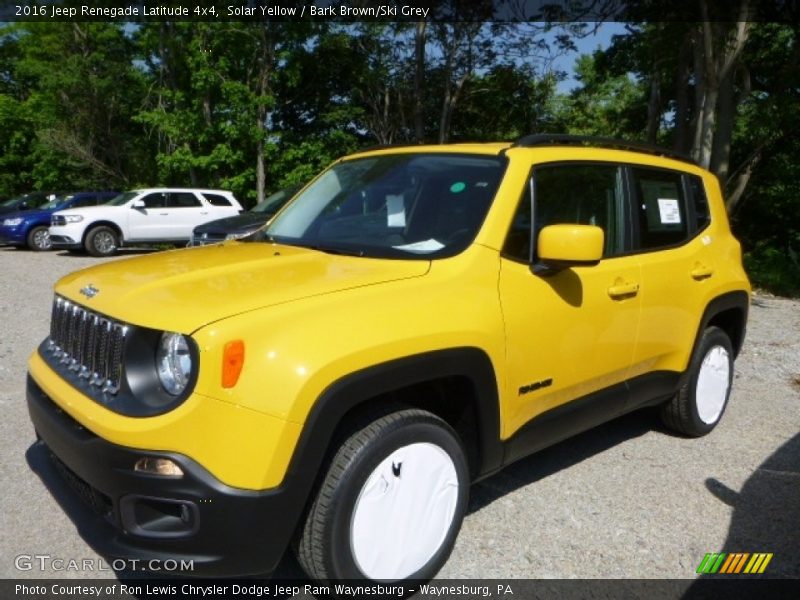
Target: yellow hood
183,290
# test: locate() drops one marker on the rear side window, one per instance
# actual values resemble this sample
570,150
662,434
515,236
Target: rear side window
183,200
661,207
216,199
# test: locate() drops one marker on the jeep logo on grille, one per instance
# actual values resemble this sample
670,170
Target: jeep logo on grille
90,291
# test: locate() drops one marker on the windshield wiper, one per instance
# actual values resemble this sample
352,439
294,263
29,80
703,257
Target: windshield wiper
331,249
313,246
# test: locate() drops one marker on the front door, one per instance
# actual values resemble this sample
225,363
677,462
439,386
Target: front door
571,333
150,222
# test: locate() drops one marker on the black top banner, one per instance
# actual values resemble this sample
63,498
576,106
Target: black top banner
401,10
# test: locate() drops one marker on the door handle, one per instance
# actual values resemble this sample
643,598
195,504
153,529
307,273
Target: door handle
203,212
164,214
701,271
623,289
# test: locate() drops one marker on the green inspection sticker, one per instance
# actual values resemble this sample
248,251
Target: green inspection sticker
458,186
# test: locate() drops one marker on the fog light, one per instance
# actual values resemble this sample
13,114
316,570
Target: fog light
158,466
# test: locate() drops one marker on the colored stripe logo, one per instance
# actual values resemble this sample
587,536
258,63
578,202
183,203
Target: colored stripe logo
734,562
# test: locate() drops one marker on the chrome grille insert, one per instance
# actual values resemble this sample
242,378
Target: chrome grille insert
88,343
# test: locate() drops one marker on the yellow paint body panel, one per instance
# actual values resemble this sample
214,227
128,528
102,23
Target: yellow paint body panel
308,319
241,447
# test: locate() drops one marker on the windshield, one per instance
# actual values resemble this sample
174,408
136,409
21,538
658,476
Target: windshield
13,201
57,202
272,204
123,198
403,205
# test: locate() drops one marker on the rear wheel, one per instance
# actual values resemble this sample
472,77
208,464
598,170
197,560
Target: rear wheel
391,503
698,406
39,238
101,241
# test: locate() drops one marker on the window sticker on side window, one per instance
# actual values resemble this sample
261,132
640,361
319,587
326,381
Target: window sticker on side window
396,211
669,211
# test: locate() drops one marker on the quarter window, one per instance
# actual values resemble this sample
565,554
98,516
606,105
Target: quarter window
699,201
217,199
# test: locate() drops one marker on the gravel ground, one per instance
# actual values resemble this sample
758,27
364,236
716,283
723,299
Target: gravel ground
626,500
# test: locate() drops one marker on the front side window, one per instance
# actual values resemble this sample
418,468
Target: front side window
156,200
58,202
584,194
404,205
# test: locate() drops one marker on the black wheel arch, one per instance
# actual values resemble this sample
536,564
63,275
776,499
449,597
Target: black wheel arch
729,313
356,391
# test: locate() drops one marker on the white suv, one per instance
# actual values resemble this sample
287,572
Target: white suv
140,216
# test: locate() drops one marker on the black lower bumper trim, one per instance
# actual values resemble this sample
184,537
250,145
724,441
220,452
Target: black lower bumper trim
232,532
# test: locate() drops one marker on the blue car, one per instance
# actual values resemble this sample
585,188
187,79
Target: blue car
30,227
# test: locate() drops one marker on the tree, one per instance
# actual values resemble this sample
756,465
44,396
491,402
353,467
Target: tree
77,90
606,104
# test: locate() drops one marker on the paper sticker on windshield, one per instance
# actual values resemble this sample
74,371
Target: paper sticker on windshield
458,187
424,247
396,211
669,211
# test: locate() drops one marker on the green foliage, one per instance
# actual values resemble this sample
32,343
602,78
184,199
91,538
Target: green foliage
605,105
776,270
256,106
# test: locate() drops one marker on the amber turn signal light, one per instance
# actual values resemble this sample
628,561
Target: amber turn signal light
232,363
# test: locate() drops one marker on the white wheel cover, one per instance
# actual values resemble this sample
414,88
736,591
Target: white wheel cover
712,384
400,521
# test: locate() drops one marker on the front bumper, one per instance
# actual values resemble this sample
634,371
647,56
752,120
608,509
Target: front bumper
68,236
11,236
141,517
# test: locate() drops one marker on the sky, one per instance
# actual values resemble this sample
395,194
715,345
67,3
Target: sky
599,39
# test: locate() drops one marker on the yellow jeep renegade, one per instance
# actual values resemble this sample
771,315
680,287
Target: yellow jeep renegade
412,321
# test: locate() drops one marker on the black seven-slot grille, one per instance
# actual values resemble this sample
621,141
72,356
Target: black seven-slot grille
88,344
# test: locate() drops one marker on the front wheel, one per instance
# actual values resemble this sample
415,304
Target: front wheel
101,241
698,406
39,238
391,504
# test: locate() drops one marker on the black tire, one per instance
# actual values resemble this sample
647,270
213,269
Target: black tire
101,241
695,411
38,238
329,543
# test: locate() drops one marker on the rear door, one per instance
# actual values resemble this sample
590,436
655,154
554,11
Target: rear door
152,221
675,251
186,211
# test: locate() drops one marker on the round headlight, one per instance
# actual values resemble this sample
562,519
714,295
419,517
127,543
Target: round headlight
173,362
